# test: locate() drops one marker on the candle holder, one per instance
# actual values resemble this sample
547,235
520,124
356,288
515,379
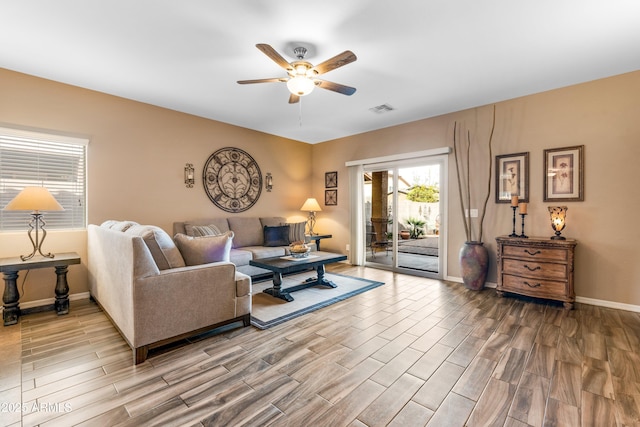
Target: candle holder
513,233
523,236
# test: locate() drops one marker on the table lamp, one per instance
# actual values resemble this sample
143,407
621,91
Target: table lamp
35,199
558,216
311,206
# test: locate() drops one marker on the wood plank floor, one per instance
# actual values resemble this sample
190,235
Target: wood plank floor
414,352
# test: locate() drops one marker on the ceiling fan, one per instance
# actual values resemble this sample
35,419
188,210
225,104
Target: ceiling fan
302,74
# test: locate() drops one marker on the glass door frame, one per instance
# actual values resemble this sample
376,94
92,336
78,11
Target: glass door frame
393,167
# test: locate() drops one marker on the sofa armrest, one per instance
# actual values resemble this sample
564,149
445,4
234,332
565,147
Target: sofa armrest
184,299
243,284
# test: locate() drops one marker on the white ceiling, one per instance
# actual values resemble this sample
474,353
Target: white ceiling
422,57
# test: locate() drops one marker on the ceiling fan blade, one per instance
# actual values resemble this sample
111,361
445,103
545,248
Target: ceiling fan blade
275,79
336,87
293,99
275,56
337,61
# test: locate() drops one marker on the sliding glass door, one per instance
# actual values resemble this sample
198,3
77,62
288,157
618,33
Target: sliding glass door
403,216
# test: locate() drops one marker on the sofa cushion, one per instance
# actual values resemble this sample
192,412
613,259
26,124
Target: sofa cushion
296,231
204,249
162,248
266,251
248,231
240,257
202,230
276,236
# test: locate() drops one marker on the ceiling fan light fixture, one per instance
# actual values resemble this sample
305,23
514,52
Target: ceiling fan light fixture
300,85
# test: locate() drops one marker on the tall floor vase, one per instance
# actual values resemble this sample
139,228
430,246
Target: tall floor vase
474,265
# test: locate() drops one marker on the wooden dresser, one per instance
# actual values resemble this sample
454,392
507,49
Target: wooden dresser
537,267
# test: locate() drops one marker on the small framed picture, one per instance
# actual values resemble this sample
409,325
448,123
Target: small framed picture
330,197
564,174
512,177
331,179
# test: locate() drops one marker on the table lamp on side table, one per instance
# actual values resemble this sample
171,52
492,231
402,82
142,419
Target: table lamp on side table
35,199
311,206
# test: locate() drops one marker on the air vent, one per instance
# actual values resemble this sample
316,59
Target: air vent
384,108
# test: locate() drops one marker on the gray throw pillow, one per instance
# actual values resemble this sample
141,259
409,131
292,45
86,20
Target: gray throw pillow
296,231
204,249
202,230
162,248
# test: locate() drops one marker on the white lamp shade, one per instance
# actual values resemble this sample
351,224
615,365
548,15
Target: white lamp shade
34,199
300,85
311,205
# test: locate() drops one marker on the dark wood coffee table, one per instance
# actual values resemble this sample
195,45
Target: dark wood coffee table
284,265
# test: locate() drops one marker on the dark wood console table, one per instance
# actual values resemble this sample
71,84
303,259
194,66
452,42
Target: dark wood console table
10,268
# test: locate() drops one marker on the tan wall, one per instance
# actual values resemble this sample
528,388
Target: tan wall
136,159
602,115
137,154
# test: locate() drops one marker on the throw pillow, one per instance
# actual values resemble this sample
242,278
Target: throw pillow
162,248
296,231
204,249
119,225
276,236
202,230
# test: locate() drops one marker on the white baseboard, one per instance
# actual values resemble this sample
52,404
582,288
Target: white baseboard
459,280
50,301
582,300
608,304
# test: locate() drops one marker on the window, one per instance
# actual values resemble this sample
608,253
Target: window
38,159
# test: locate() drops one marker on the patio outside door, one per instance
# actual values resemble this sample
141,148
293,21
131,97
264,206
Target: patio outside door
403,217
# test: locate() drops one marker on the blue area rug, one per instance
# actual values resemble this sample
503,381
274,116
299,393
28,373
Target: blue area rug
268,311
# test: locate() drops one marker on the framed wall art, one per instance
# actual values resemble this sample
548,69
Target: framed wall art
330,197
512,177
564,174
331,179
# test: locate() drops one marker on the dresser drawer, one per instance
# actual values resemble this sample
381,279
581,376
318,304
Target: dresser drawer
541,270
534,253
533,287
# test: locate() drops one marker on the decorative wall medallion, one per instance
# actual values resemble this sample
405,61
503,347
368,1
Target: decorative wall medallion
232,179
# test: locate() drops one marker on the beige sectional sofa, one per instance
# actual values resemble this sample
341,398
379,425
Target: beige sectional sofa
249,241
140,279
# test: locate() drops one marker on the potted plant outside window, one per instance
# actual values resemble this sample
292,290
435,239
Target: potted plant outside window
416,227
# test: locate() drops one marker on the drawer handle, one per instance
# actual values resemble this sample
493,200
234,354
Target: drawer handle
530,285
532,269
532,253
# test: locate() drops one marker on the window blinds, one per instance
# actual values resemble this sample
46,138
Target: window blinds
53,161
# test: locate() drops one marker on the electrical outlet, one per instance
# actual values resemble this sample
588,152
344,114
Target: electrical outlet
348,247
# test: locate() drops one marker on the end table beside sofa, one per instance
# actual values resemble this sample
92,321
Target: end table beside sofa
11,266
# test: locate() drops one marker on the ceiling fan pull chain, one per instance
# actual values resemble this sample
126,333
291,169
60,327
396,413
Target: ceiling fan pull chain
300,112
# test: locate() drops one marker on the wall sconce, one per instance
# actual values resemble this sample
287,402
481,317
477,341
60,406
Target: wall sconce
189,176
558,216
268,181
